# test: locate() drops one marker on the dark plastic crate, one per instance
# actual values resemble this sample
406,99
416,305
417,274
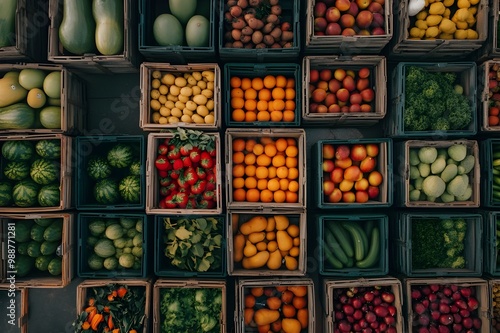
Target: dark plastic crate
491,225
383,165
490,183
380,268
466,75
85,250
290,13
473,245
162,265
175,54
89,146
261,70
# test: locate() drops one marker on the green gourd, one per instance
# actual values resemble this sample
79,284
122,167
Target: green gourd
8,22
77,29
108,15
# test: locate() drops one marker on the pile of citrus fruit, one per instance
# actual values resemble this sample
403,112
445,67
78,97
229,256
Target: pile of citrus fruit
268,99
265,170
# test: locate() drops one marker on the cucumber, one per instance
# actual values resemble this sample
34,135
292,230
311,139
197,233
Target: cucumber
358,240
495,172
373,253
342,237
334,246
368,227
496,162
331,259
496,154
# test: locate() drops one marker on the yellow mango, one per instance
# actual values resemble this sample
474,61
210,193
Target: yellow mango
285,242
261,246
256,261
421,24
473,10
447,26
432,32
266,316
291,263
291,325
271,224
274,261
471,20
460,34
472,34
437,8
272,246
282,222
421,15
448,3
433,20
256,237
463,4
416,32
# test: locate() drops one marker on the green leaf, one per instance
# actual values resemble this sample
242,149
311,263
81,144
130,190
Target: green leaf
196,238
204,265
202,224
217,240
197,250
182,233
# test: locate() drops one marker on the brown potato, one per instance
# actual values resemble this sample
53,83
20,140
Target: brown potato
248,16
235,11
255,23
231,3
287,36
276,46
260,46
276,33
246,39
276,10
228,17
238,44
243,3
236,34
268,28
247,31
239,23
268,40
257,37
286,26
272,18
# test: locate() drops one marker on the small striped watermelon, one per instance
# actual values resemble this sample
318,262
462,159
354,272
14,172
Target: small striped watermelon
130,189
5,193
120,156
135,168
98,168
44,171
48,148
17,170
18,150
106,191
49,196
25,193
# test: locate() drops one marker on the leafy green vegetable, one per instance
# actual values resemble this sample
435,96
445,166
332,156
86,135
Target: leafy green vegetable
190,309
438,243
194,244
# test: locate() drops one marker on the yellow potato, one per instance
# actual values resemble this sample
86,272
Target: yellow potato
173,120
155,117
209,119
164,111
460,34
191,105
155,105
202,110
174,90
163,120
170,104
421,24
197,76
186,111
172,98
168,79
155,84
191,80
176,112
198,119
163,89
437,8
210,104
186,118
180,105
210,85
209,75
196,90
202,84
463,4
448,3
162,99
415,32
200,99
432,32
186,91
472,34
180,82
156,74
421,15
433,20
154,94
183,99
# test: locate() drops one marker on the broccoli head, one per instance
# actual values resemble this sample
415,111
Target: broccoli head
460,225
450,238
454,252
450,77
461,236
459,113
448,224
431,90
458,263
208,323
440,124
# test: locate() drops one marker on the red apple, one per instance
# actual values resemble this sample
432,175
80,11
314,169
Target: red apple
328,187
364,32
313,75
325,74
361,185
319,9
368,164
375,7
322,108
318,95
378,31
342,151
334,84
364,19
342,94
367,94
353,173
362,4
335,196
328,151
362,84
378,20
375,178
339,74
362,196
322,85
355,98
366,108
328,166
372,149
373,192
334,108
348,197
332,14
313,107
346,21
333,29
320,24
346,185
348,83
337,175
354,108
344,163
348,32
364,72
358,152
353,10
343,5
330,99
345,108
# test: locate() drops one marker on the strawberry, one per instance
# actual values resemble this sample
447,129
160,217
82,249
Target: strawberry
186,161
165,181
169,201
208,195
162,163
211,182
181,199
164,191
174,154
186,149
200,172
174,174
162,149
206,161
181,181
190,176
199,186
211,150
178,164
163,173
194,155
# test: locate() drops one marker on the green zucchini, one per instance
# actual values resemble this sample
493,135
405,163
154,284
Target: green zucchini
77,29
334,246
373,253
342,237
360,245
108,15
331,259
8,23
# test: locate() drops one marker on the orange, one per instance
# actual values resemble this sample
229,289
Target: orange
238,144
282,172
237,103
269,150
290,105
281,81
258,149
235,82
284,184
293,186
266,196
250,116
270,106
265,95
238,115
276,116
278,93
246,83
250,93
238,157
279,196
263,160
250,182
289,93
237,92
278,161
278,105
272,171
263,116
257,83
238,182
239,194
238,170
250,105
262,105
293,173
269,82
291,197
273,184
290,82
281,144
262,184
250,158
266,139
250,170
291,141
291,151
249,144
291,162
253,195
288,116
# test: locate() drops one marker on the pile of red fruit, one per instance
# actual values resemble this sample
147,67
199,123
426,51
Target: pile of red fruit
494,95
